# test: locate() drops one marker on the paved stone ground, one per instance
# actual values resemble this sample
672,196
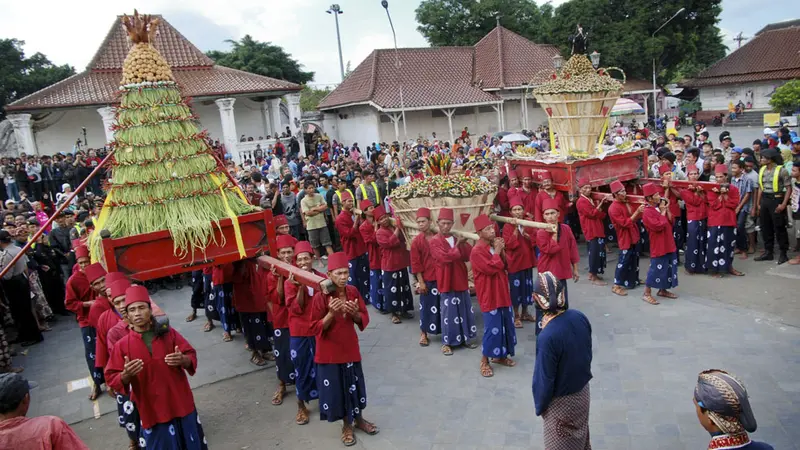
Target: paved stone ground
646,360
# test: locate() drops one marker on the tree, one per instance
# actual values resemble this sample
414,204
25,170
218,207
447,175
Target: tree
347,69
310,97
786,99
262,58
21,76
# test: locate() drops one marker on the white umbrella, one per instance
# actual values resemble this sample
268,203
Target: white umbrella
515,137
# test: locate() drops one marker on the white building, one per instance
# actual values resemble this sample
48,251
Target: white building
229,103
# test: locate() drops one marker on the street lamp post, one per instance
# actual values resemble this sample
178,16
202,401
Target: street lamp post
335,9
385,5
655,92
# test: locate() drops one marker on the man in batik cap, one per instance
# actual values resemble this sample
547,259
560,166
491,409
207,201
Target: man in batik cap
723,409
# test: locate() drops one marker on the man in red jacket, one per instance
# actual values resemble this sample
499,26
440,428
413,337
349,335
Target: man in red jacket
424,269
663,272
626,223
548,191
152,368
397,296
251,304
347,224
488,261
367,230
451,254
722,203
521,260
591,216
696,224
279,312
221,297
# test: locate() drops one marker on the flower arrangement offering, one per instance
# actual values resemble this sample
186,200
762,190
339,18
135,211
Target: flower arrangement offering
438,164
164,176
578,75
436,186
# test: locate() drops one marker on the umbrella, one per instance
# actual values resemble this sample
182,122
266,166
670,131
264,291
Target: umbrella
500,134
515,137
626,106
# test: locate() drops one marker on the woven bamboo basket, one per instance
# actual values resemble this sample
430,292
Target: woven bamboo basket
578,118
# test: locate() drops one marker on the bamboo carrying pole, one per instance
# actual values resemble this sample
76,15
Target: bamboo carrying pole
301,276
42,227
525,223
459,233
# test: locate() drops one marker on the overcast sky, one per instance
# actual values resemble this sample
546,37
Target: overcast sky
70,32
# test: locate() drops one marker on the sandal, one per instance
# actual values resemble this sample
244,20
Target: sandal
423,341
226,337
258,360
667,294
471,345
268,355
348,438
486,370
277,397
95,393
447,351
517,322
599,282
619,290
191,317
527,317
736,273
396,319
649,299
208,327
508,362
367,427
302,417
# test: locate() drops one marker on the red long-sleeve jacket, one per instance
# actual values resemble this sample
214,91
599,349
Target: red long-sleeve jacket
451,270
558,256
519,248
591,219
627,229
659,229
491,279
722,208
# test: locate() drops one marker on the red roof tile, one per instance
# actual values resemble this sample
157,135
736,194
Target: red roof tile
773,54
194,72
633,84
505,59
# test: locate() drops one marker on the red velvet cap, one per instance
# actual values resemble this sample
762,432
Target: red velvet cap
482,222
94,272
512,174
285,241
650,189
583,182
445,214
366,203
524,172
424,212
280,220
77,243
721,168
550,203
545,175
337,261
136,294
113,277
81,252
663,168
515,200
303,247
616,186
346,196
119,287
379,212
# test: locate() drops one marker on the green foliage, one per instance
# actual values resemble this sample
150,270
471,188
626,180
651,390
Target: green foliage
348,69
310,97
786,99
262,58
621,30
21,76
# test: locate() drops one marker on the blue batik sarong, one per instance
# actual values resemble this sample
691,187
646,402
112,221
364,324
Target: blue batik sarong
128,417
520,285
397,296
663,272
256,330
458,318
627,273
430,310
359,275
222,297
89,335
721,245
695,256
611,232
198,300
540,313
376,290
678,233
283,359
499,335
644,238
185,433
597,256
210,304
342,391
305,370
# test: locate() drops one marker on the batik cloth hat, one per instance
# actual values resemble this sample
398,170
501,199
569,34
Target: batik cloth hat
725,398
548,292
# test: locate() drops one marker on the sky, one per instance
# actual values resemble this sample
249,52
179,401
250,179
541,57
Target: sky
71,32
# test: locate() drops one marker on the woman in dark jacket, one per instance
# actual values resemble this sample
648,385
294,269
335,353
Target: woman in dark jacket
49,270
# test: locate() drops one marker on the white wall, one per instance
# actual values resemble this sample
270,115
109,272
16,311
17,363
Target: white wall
360,125
717,97
247,114
65,129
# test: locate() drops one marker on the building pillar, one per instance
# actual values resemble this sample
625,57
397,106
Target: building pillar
274,108
497,108
395,121
26,143
108,114
265,118
449,113
524,111
295,120
229,136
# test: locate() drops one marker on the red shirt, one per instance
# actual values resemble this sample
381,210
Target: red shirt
100,305
339,343
78,291
222,274
394,255
557,256
38,433
421,260
161,392
659,229
722,208
696,207
491,279
280,313
300,323
368,234
519,248
117,332
627,230
502,202
528,199
248,296
352,242
591,219
106,321
562,206
451,270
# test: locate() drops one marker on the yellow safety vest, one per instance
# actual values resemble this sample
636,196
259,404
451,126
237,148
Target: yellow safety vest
377,193
775,177
339,194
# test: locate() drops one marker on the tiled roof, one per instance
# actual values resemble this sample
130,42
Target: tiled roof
773,54
505,59
633,84
439,76
194,72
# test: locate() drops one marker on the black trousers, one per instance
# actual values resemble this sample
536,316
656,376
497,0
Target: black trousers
18,295
773,225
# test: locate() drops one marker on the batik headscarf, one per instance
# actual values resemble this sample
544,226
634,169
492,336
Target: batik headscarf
548,293
725,398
